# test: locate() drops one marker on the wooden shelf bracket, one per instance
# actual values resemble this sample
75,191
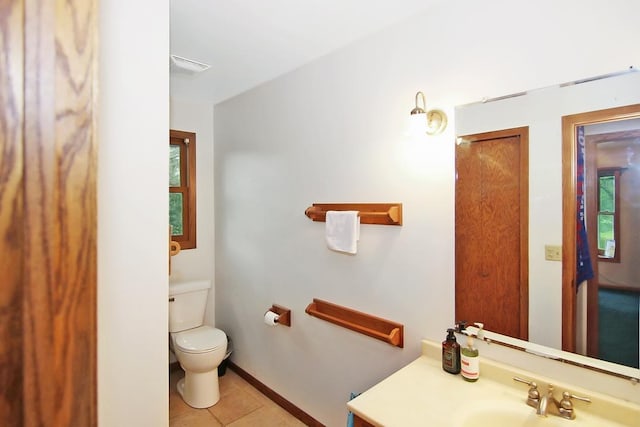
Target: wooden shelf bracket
375,327
370,213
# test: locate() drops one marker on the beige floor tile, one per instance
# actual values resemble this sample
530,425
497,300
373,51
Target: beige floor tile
260,397
195,418
231,377
230,383
240,405
238,380
233,406
267,416
177,406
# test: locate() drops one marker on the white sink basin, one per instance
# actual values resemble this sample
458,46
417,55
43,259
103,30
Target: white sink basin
507,413
484,419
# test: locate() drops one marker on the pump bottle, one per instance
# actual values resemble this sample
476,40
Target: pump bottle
451,353
469,358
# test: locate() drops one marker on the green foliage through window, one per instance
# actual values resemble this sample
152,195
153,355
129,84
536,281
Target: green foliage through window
175,214
608,216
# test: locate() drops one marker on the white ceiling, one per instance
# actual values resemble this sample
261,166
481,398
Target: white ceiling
248,42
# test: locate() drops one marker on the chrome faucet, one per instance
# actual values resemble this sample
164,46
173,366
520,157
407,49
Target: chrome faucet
548,404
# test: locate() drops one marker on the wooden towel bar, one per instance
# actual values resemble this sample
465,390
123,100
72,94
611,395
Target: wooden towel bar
375,327
370,213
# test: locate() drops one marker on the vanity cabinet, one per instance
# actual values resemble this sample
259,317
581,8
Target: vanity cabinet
359,422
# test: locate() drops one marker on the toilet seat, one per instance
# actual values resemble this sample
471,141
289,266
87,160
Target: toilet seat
202,339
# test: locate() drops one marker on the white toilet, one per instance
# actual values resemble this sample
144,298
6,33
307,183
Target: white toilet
199,348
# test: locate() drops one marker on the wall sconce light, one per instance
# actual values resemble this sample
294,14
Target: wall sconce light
431,122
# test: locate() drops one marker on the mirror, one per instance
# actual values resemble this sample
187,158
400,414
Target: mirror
541,113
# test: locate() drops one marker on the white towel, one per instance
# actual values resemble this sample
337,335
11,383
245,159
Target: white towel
342,231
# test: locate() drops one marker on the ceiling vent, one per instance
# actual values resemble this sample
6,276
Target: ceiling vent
188,66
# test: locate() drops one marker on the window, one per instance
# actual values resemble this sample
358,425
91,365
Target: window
182,188
609,214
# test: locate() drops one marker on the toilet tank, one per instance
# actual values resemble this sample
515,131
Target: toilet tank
187,302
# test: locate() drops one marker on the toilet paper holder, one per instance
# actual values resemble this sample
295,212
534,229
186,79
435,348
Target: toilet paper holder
284,314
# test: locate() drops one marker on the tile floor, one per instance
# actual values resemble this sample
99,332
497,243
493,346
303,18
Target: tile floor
240,405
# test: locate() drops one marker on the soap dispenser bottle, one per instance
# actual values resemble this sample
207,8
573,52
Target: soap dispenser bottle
469,357
451,353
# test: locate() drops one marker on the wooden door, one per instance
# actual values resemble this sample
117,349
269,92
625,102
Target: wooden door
48,213
491,213
12,222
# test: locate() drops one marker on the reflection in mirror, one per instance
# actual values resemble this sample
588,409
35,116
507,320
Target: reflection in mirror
492,223
601,213
541,111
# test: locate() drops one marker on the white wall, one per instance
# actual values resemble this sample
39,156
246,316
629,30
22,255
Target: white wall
332,131
132,214
198,263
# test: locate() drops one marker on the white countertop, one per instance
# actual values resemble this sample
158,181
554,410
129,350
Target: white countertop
422,394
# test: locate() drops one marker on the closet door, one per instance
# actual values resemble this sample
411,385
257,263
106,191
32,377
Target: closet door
12,221
48,213
492,231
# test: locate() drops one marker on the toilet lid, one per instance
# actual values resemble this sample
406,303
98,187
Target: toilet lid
200,340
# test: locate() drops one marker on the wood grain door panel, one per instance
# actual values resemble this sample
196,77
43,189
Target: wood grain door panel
11,212
491,226
48,213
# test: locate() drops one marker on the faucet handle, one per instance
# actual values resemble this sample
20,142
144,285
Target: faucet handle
527,382
566,396
533,396
566,406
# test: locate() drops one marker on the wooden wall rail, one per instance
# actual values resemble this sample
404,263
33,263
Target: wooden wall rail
370,213
375,327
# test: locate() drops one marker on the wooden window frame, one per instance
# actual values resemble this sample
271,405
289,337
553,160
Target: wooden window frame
187,143
616,173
